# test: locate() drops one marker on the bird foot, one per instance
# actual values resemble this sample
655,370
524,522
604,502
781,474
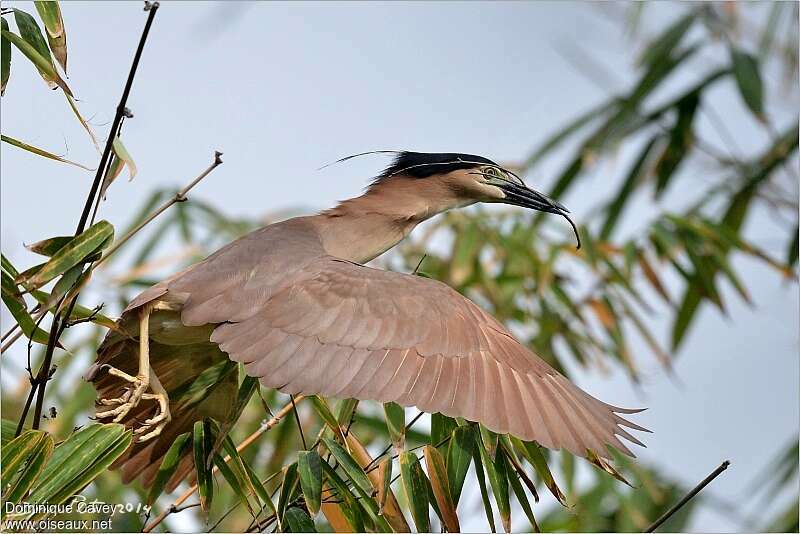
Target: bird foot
152,427
128,400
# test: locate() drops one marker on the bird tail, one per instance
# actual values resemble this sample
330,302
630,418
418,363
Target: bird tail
199,379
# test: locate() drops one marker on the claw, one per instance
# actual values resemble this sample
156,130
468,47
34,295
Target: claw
129,400
160,420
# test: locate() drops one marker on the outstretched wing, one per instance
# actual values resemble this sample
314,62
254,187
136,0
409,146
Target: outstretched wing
349,331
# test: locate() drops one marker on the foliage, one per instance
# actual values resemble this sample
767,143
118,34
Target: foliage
566,304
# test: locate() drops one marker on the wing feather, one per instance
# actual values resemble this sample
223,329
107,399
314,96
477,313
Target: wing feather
346,330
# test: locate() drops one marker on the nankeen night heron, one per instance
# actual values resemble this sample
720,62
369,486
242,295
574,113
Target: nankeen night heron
293,303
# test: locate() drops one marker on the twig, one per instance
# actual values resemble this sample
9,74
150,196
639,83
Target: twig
180,196
243,445
706,481
57,327
299,426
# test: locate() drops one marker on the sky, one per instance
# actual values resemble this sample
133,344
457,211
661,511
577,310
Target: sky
284,89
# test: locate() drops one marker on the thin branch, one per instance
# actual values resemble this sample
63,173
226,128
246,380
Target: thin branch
180,196
706,481
57,328
299,426
243,445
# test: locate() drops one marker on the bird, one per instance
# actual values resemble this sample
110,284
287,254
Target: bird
294,303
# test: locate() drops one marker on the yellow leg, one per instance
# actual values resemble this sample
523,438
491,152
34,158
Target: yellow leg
156,423
139,383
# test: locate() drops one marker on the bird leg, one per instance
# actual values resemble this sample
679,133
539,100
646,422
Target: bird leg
139,383
163,416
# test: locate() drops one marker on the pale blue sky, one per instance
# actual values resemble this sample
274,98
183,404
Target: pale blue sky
283,89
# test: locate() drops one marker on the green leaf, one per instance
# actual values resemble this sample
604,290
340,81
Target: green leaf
459,456
440,487
350,507
479,474
296,520
635,177
416,488
19,311
23,461
78,460
466,249
571,128
396,422
94,238
686,312
325,413
531,451
48,247
50,13
680,141
236,482
351,467
441,428
32,44
310,467
663,45
5,58
203,444
288,488
31,34
38,151
169,465
522,498
259,488
748,80
496,469
794,247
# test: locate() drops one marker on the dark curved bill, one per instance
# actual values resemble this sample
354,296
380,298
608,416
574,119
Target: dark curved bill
518,195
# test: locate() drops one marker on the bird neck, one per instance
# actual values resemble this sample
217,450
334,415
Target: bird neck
363,228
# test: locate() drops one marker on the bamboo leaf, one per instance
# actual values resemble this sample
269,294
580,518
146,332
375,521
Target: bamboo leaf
325,413
531,452
29,31
652,277
351,467
441,428
310,467
50,13
496,469
32,44
202,447
48,247
416,489
19,311
236,483
296,520
351,508
5,59
396,422
477,452
603,465
459,456
635,177
385,484
748,80
681,140
39,152
94,238
663,45
18,452
519,492
290,483
437,472
683,319
78,460
34,466
169,465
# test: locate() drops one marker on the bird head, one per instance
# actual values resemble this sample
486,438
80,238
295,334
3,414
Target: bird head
473,179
